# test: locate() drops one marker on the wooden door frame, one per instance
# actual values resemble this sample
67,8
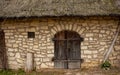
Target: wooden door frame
67,40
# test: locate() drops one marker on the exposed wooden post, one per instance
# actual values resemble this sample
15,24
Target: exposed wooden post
29,62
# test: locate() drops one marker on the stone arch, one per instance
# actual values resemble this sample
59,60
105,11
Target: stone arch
71,27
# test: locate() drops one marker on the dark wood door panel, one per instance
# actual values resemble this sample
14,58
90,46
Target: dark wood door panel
67,50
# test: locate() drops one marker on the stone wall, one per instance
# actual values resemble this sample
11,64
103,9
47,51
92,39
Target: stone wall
98,33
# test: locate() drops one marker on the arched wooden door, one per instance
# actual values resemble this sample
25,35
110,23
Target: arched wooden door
67,50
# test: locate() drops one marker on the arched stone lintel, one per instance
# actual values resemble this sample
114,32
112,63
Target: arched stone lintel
79,29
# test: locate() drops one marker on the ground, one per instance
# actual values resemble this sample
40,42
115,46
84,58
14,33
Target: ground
64,72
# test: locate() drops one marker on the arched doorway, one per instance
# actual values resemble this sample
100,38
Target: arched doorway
67,53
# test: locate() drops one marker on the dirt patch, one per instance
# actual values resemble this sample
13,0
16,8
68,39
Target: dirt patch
93,71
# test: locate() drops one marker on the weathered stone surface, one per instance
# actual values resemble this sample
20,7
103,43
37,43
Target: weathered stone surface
17,55
11,54
87,52
19,60
44,65
97,35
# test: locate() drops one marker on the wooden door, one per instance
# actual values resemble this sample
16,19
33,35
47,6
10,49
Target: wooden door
3,55
67,50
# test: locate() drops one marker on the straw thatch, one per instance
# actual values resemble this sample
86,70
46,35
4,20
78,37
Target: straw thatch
28,8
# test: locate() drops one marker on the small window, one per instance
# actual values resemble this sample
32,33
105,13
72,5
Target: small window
31,34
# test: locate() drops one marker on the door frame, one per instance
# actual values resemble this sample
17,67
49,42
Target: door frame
64,63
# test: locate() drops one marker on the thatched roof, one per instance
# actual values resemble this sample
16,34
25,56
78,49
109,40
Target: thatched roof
28,8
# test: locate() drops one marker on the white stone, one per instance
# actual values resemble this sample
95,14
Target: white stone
11,54
89,56
50,64
12,62
84,47
36,46
44,65
46,59
58,27
95,31
8,34
82,30
17,55
10,49
11,58
37,59
19,60
102,43
15,45
50,47
53,31
44,27
87,52
95,56
38,63
70,27
42,47
50,55
91,39
21,30
94,52
89,35
75,27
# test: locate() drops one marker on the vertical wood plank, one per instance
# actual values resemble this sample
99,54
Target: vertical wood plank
29,62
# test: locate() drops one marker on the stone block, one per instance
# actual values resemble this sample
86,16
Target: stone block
17,55
15,45
8,34
10,49
89,34
82,30
53,31
95,52
46,59
43,48
102,31
50,47
50,55
102,43
75,27
91,39
58,27
11,54
11,58
96,31
19,60
21,30
43,65
89,56
37,59
38,63
25,46
87,52
44,27
117,48
13,62
8,45
11,41
84,47
35,46
95,56
50,64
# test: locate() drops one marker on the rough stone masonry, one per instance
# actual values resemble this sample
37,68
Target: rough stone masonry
98,33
